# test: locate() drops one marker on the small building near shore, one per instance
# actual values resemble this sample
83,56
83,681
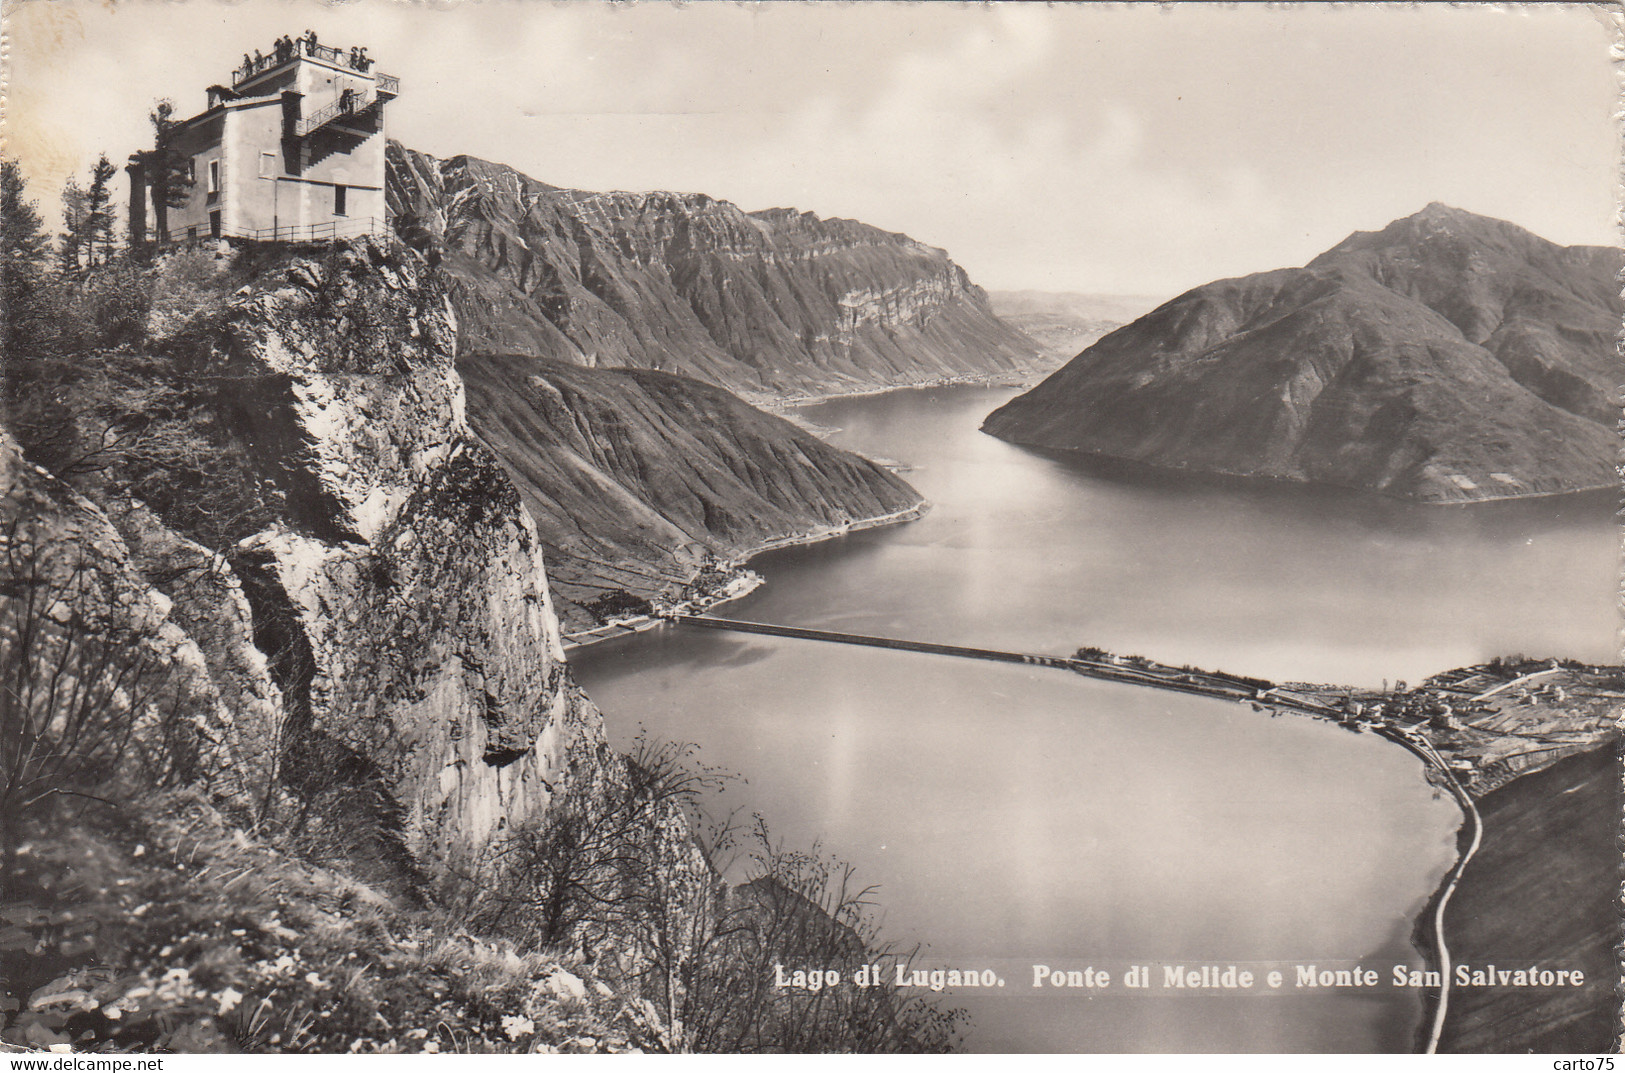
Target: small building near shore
292,150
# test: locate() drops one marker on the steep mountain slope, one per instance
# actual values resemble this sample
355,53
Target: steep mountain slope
637,478
1447,357
768,304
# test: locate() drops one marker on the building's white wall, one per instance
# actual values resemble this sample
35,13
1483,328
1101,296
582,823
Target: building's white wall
257,202
201,141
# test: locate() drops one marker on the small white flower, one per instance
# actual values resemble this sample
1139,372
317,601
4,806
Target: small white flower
518,1027
314,980
431,1047
229,998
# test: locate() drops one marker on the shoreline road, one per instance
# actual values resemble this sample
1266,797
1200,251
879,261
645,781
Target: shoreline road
1425,749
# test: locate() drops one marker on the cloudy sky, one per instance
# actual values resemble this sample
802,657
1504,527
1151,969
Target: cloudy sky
1101,148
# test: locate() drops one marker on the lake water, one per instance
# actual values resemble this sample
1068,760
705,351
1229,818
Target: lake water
1014,815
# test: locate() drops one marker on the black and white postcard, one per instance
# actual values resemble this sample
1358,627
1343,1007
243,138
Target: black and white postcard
796,527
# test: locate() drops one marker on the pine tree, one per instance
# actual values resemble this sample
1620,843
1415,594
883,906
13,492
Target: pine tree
168,171
73,225
98,221
24,253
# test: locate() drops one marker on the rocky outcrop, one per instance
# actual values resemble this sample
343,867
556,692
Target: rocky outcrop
375,652
637,479
302,596
1447,357
401,590
767,304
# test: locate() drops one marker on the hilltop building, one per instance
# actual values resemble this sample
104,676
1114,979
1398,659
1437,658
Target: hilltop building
293,150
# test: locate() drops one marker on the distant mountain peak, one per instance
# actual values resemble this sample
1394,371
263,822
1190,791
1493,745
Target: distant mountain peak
1449,356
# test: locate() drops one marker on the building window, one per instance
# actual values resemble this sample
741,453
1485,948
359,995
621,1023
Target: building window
214,176
191,171
338,201
268,168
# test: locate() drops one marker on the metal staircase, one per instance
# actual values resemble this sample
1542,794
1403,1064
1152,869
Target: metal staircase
346,105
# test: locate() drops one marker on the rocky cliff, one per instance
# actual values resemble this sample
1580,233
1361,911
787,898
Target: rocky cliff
404,568
376,620
1447,357
637,478
292,759
768,304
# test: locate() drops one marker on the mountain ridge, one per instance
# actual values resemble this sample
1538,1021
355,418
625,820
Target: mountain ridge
639,480
1445,357
770,304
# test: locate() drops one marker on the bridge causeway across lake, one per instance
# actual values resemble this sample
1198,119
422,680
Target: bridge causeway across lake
1130,670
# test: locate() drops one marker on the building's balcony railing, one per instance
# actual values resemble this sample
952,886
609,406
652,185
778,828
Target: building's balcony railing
388,85
322,52
346,104
330,231
336,56
323,232
252,68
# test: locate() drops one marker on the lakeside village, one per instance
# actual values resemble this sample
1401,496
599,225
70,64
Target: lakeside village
1476,727
1486,724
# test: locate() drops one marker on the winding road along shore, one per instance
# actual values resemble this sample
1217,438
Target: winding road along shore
1542,890
1474,824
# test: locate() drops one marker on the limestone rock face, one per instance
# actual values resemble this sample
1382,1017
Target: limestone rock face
400,594
767,304
381,651
205,599
333,597
1447,357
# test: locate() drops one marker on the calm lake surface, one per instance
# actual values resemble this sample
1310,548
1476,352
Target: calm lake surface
1014,815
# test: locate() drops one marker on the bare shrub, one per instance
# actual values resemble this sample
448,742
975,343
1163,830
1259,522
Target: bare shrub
629,877
84,704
